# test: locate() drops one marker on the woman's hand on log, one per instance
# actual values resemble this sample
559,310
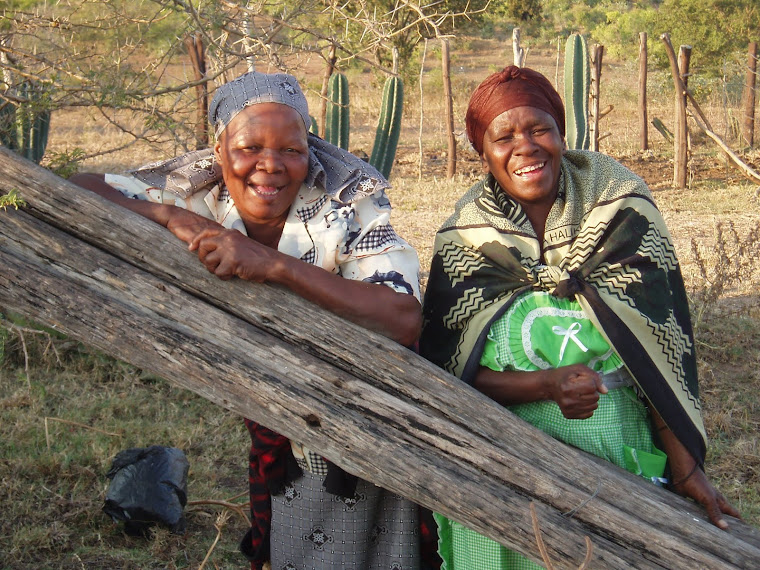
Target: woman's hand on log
693,483
228,253
688,479
187,226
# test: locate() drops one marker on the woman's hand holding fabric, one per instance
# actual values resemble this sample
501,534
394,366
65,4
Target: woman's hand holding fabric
576,390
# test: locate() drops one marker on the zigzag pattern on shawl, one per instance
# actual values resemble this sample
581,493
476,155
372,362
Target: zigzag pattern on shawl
509,208
454,362
614,279
466,306
585,244
460,263
674,343
658,248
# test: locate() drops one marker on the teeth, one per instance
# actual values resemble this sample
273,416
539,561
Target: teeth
530,168
266,190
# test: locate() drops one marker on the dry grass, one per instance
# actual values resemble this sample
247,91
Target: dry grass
52,481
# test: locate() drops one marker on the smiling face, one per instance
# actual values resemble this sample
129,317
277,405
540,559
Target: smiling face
264,157
522,149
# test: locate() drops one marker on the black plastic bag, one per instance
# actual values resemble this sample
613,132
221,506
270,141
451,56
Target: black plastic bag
148,486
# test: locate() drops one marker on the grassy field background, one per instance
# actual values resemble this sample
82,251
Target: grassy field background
67,410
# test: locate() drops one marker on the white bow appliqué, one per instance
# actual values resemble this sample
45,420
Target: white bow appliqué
569,334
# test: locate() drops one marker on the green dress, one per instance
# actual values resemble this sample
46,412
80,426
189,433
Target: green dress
540,331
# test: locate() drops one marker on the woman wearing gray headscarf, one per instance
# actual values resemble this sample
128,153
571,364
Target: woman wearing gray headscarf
272,203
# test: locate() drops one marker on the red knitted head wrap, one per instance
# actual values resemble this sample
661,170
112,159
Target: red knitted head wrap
509,88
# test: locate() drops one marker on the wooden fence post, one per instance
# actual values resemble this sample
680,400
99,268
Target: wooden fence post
451,167
643,120
701,120
681,159
518,52
750,84
195,50
679,69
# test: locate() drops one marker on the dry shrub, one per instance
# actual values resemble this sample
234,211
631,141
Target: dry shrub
725,309
725,275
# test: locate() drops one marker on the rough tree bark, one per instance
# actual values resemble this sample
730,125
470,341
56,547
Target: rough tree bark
91,269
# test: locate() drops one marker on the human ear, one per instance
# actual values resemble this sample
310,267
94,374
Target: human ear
484,164
218,152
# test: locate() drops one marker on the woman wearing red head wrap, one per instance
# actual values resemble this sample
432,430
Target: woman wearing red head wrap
555,290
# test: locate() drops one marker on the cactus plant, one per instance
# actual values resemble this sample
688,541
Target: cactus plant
577,85
337,120
388,126
24,128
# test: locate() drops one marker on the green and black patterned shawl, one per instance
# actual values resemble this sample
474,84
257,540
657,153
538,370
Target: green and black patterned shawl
607,244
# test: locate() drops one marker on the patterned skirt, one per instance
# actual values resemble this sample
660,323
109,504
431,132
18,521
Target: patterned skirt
313,529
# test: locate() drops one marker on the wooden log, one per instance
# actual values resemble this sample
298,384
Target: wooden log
92,270
682,129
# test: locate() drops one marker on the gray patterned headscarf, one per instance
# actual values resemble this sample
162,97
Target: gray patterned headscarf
339,173
253,88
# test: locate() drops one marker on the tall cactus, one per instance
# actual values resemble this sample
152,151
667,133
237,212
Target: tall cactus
25,128
388,126
577,85
337,120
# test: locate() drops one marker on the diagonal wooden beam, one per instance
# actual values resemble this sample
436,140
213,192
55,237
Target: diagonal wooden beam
123,284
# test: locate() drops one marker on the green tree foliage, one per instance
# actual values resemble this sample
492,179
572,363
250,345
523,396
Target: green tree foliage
688,22
563,17
519,11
